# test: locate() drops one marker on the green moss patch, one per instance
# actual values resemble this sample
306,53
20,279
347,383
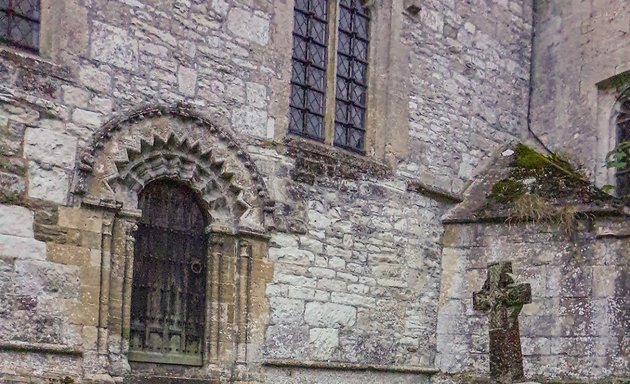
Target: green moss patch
542,188
550,177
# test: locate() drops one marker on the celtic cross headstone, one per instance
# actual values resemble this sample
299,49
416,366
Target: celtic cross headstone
502,300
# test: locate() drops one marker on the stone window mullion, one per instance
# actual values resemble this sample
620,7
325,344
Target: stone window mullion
333,8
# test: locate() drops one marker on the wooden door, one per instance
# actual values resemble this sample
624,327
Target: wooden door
169,277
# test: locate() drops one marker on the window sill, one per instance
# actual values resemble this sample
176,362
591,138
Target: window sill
318,161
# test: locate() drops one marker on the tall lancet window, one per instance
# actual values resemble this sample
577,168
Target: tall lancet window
19,23
330,72
352,66
308,79
623,134
169,277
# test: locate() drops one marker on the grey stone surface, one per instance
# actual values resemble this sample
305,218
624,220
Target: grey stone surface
48,183
361,269
16,221
22,247
294,376
46,146
566,325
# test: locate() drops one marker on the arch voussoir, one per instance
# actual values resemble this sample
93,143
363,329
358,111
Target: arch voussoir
180,144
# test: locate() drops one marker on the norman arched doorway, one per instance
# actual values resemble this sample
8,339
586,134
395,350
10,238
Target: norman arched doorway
169,276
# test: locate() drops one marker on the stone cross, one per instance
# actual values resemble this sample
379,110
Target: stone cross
501,299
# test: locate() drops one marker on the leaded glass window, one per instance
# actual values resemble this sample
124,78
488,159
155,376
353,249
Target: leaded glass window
308,79
623,134
351,87
169,277
319,46
19,23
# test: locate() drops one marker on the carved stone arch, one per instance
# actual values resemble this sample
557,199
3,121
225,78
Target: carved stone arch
182,144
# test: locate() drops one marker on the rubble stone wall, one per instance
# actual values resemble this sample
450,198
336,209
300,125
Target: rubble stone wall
469,74
356,250
576,326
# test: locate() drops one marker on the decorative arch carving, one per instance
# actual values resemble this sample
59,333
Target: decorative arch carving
178,143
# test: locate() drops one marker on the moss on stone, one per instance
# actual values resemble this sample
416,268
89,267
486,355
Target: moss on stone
527,158
539,186
507,190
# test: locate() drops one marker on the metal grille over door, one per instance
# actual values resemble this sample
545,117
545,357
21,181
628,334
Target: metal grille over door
169,277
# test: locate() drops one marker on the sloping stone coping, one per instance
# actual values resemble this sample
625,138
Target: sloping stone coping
433,191
56,349
340,366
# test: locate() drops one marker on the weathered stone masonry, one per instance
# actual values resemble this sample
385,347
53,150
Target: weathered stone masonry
351,275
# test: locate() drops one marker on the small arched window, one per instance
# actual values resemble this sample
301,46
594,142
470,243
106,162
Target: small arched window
169,277
623,134
19,23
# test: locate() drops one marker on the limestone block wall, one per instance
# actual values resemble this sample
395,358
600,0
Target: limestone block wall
577,324
469,74
355,252
580,51
361,286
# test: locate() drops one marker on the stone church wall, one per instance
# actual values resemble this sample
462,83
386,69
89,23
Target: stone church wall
469,89
354,273
581,52
576,326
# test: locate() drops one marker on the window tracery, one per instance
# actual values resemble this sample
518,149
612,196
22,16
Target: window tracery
352,66
318,45
308,78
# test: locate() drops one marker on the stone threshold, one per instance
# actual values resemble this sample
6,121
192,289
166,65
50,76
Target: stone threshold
341,366
55,349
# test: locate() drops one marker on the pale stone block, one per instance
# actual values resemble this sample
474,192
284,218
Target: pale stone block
46,146
432,19
256,95
86,118
280,239
114,46
271,127
187,80
50,184
286,341
220,6
604,278
291,255
318,220
78,218
352,299
251,121
102,105
286,311
22,247
16,221
330,315
248,26
323,342
95,78
75,96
